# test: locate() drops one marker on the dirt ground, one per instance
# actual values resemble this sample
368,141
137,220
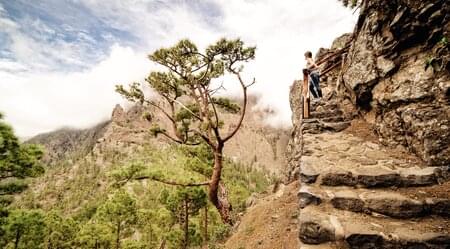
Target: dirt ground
272,223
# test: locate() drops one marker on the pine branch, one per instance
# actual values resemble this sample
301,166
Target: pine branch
169,182
244,105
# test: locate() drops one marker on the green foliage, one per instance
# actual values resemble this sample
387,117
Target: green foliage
60,232
226,104
17,161
192,199
87,211
351,3
24,229
120,214
94,235
155,130
444,42
440,56
186,87
184,203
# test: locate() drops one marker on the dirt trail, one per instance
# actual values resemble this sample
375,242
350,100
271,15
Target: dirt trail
272,223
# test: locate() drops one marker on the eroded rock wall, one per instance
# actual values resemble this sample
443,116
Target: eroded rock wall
396,74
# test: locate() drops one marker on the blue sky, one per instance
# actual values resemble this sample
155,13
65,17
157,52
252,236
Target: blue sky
60,59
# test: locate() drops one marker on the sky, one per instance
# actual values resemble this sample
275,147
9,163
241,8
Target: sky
61,59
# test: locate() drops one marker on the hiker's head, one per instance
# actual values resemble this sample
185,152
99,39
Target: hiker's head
308,54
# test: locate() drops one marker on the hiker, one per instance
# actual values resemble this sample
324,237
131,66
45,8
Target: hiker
313,78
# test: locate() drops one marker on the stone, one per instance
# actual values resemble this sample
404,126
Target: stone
338,179
419,177
307,172
377,176
382,180
369,241
393,205
348,200
440,207
307,197
385,66
315,229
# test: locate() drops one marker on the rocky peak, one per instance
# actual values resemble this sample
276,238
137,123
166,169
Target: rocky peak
118,114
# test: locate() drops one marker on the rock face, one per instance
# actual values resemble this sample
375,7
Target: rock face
357,193
69,144
397,74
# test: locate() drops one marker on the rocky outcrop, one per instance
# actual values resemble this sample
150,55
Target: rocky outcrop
69,144
397,74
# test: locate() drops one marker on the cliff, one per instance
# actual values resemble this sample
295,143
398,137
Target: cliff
372,159
396,74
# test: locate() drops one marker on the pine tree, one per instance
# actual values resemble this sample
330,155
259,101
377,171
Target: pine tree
60,231
24,229
94,235
120,213
185,203
189,100
17,162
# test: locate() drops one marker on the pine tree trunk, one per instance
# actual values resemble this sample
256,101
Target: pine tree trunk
217,193
17,240
205,235
118,236
186,224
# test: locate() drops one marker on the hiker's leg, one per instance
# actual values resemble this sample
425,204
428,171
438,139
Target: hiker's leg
316,79
312,88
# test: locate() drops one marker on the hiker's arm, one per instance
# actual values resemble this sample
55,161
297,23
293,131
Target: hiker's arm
312,64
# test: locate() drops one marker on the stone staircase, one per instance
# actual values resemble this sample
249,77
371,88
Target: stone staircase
356,193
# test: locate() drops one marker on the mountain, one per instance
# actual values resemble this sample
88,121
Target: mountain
257,143
84,165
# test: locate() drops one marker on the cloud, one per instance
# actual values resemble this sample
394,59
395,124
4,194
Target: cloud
61,59
283,31
42,102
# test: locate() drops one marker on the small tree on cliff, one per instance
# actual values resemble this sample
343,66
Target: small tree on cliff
188,100
351,3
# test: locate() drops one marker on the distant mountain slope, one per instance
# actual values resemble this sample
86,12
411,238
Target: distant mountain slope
68,143
256,144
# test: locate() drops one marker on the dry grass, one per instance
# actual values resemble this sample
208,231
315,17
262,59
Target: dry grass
270,224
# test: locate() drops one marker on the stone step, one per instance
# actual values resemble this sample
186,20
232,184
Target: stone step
376,176
327,119
323,105
398,204
319,126
328,245
326,113
322,224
